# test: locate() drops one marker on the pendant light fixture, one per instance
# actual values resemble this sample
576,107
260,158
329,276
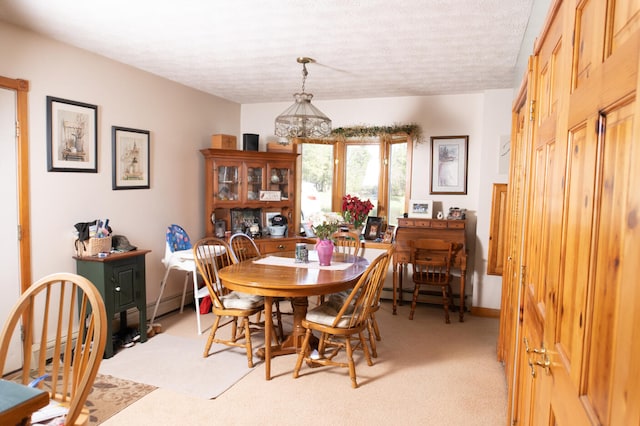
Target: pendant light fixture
302,119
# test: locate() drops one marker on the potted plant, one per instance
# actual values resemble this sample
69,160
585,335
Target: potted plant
324,225
355,211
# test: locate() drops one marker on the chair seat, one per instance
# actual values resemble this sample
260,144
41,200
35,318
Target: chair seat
326,314
235,300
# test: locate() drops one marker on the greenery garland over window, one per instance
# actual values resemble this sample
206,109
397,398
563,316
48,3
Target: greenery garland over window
372,131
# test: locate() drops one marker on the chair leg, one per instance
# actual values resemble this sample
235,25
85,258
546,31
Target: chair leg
212,335
163,283
279,318
184,291
365,349
303,353
352,365
445,301
247,338
414,301
376,329
371,332
196,300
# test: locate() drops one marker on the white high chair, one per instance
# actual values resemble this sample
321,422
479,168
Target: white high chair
178,255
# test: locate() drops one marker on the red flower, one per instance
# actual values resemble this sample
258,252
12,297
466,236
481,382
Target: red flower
355,210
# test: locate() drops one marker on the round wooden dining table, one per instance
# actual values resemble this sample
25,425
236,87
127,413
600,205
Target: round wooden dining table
277,275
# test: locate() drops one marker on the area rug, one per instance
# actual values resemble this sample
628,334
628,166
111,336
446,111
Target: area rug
110,395
176,363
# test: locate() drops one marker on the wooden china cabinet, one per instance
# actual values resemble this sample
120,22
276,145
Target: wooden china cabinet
245,185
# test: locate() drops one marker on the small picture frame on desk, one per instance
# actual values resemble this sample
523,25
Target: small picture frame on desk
388,234
372,230
456,213
421,208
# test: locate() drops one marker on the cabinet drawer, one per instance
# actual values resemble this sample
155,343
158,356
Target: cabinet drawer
456,224
439,224
275,246
424,223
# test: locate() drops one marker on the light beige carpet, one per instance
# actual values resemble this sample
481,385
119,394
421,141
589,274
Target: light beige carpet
176,363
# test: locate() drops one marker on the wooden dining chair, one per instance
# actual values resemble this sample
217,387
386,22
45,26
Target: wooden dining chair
372,324
55,346
244,248
431,261
346,242
224,303
339,322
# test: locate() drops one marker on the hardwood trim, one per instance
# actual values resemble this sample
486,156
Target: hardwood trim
479,311
22,153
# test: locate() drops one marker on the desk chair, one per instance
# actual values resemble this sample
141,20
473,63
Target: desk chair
178,255
232,304
431,261
338,323
52,342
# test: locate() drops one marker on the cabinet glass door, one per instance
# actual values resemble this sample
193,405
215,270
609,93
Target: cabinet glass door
279,175
255,180
226,181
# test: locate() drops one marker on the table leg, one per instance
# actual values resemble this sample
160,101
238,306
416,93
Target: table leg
400,280
268,325
292,343
463,276
395,286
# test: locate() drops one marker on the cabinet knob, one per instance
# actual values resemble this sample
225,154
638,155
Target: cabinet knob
117,288
281,247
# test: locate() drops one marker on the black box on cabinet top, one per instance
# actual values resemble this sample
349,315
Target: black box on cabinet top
250,141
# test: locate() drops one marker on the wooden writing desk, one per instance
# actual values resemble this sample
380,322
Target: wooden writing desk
410,229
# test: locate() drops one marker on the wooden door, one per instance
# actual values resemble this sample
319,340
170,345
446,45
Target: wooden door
593,344
543,225
510,313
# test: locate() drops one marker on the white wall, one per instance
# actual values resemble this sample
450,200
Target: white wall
484,117
180,120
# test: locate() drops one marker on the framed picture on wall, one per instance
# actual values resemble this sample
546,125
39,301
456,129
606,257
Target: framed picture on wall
449,164
130,158
72,136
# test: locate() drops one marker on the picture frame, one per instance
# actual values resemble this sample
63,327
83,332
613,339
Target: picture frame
373,228
449,164
268,216
270,195
388,234
421,208
72,136
130,158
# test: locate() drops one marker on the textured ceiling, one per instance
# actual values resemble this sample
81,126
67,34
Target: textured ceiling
245,50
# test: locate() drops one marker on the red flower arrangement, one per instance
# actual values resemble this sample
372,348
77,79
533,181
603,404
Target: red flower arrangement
354,210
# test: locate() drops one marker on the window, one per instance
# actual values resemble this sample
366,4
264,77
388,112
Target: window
317,179
378,169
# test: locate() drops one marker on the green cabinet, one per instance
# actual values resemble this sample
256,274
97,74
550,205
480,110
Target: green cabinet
120,278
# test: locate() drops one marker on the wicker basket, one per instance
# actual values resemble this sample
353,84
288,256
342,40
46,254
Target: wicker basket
93,246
